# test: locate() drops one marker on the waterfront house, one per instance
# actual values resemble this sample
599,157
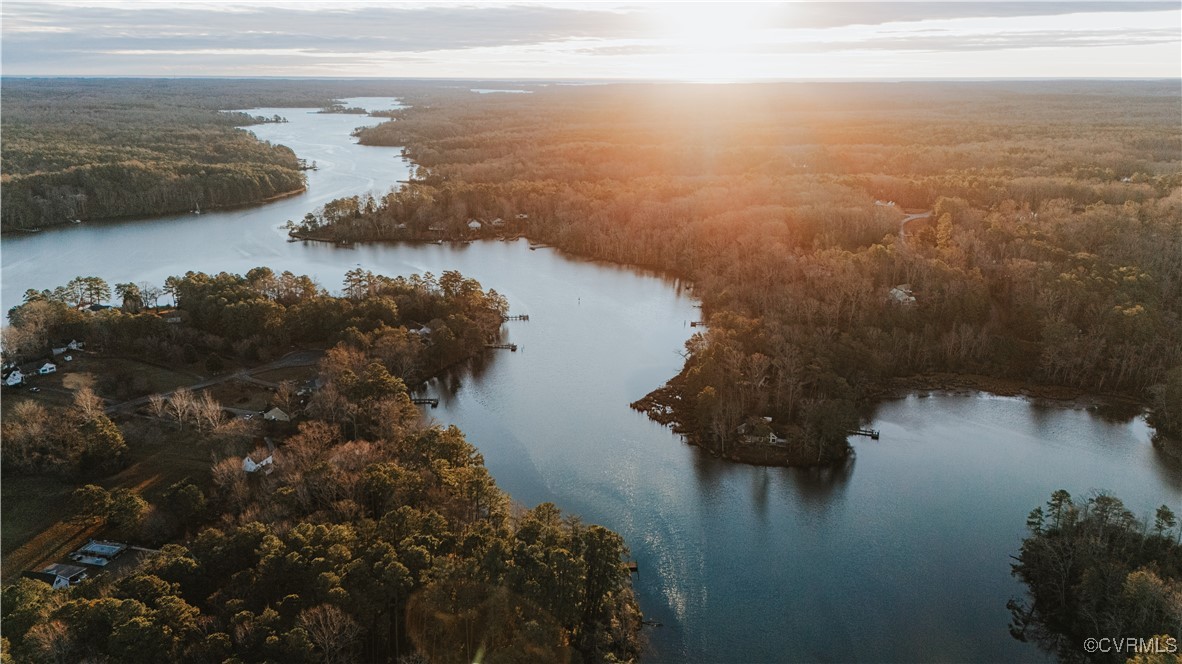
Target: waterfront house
47,368
474,225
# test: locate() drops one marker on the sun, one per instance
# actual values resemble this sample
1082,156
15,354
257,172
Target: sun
710,41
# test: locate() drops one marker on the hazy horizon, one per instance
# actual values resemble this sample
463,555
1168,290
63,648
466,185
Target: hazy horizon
536,41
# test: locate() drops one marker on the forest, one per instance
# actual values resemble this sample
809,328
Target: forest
1094,569
845,239
375,536
88,149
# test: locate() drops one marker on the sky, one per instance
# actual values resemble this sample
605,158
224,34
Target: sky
590,40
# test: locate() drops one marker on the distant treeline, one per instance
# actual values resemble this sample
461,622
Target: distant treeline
81,149
1053,253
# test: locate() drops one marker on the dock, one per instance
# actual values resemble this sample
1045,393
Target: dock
697,323
509,347
633,568
425,401
518,317
871,433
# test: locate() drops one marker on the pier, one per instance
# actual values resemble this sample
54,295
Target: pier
697,323
518,317
871,433
425,401
509,347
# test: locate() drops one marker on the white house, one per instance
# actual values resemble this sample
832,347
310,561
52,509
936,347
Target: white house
14,378
266,465
76,345
474,225
59,576
276,415
901,294
59,350
47,368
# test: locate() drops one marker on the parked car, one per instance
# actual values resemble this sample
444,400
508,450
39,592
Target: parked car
34,389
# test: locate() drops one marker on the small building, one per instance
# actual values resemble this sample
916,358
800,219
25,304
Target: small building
474,224
757,430
14,378
59,576
266,465
98,552
68,358
58,350
276,415
901,294
498,222
522,216
47,368
76,345
96,307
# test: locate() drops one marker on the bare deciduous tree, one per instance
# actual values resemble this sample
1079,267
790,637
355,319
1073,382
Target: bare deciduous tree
89,404
331,629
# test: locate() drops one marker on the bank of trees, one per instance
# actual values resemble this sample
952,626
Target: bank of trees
1053,253
415,325
1093,570
375,536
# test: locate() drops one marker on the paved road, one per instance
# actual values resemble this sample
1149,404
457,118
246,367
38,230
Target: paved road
299,358
906,220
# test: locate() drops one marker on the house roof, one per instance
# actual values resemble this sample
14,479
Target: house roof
68,571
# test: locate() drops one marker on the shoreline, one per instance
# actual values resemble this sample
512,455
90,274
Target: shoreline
661,406
137,217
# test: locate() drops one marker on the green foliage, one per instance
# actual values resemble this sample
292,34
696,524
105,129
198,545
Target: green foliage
80,150
1094,569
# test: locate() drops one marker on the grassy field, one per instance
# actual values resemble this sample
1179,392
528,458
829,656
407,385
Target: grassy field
247,396
296,374
37,528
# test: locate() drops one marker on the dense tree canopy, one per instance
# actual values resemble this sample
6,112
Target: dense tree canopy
376,535
1094,570
1052,254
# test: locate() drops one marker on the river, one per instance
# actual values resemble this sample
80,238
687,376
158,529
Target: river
901,556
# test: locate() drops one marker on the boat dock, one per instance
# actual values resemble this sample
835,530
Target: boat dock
519,317
509,347
425,401
871,433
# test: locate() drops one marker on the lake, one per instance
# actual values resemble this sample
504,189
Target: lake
901,555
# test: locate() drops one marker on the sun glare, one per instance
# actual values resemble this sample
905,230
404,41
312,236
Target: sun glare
710,41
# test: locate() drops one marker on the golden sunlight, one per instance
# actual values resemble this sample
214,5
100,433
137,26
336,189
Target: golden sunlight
711,41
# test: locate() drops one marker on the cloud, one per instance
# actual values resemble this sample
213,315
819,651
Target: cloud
226,37
837,14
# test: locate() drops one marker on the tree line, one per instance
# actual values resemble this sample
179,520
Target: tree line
85,149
